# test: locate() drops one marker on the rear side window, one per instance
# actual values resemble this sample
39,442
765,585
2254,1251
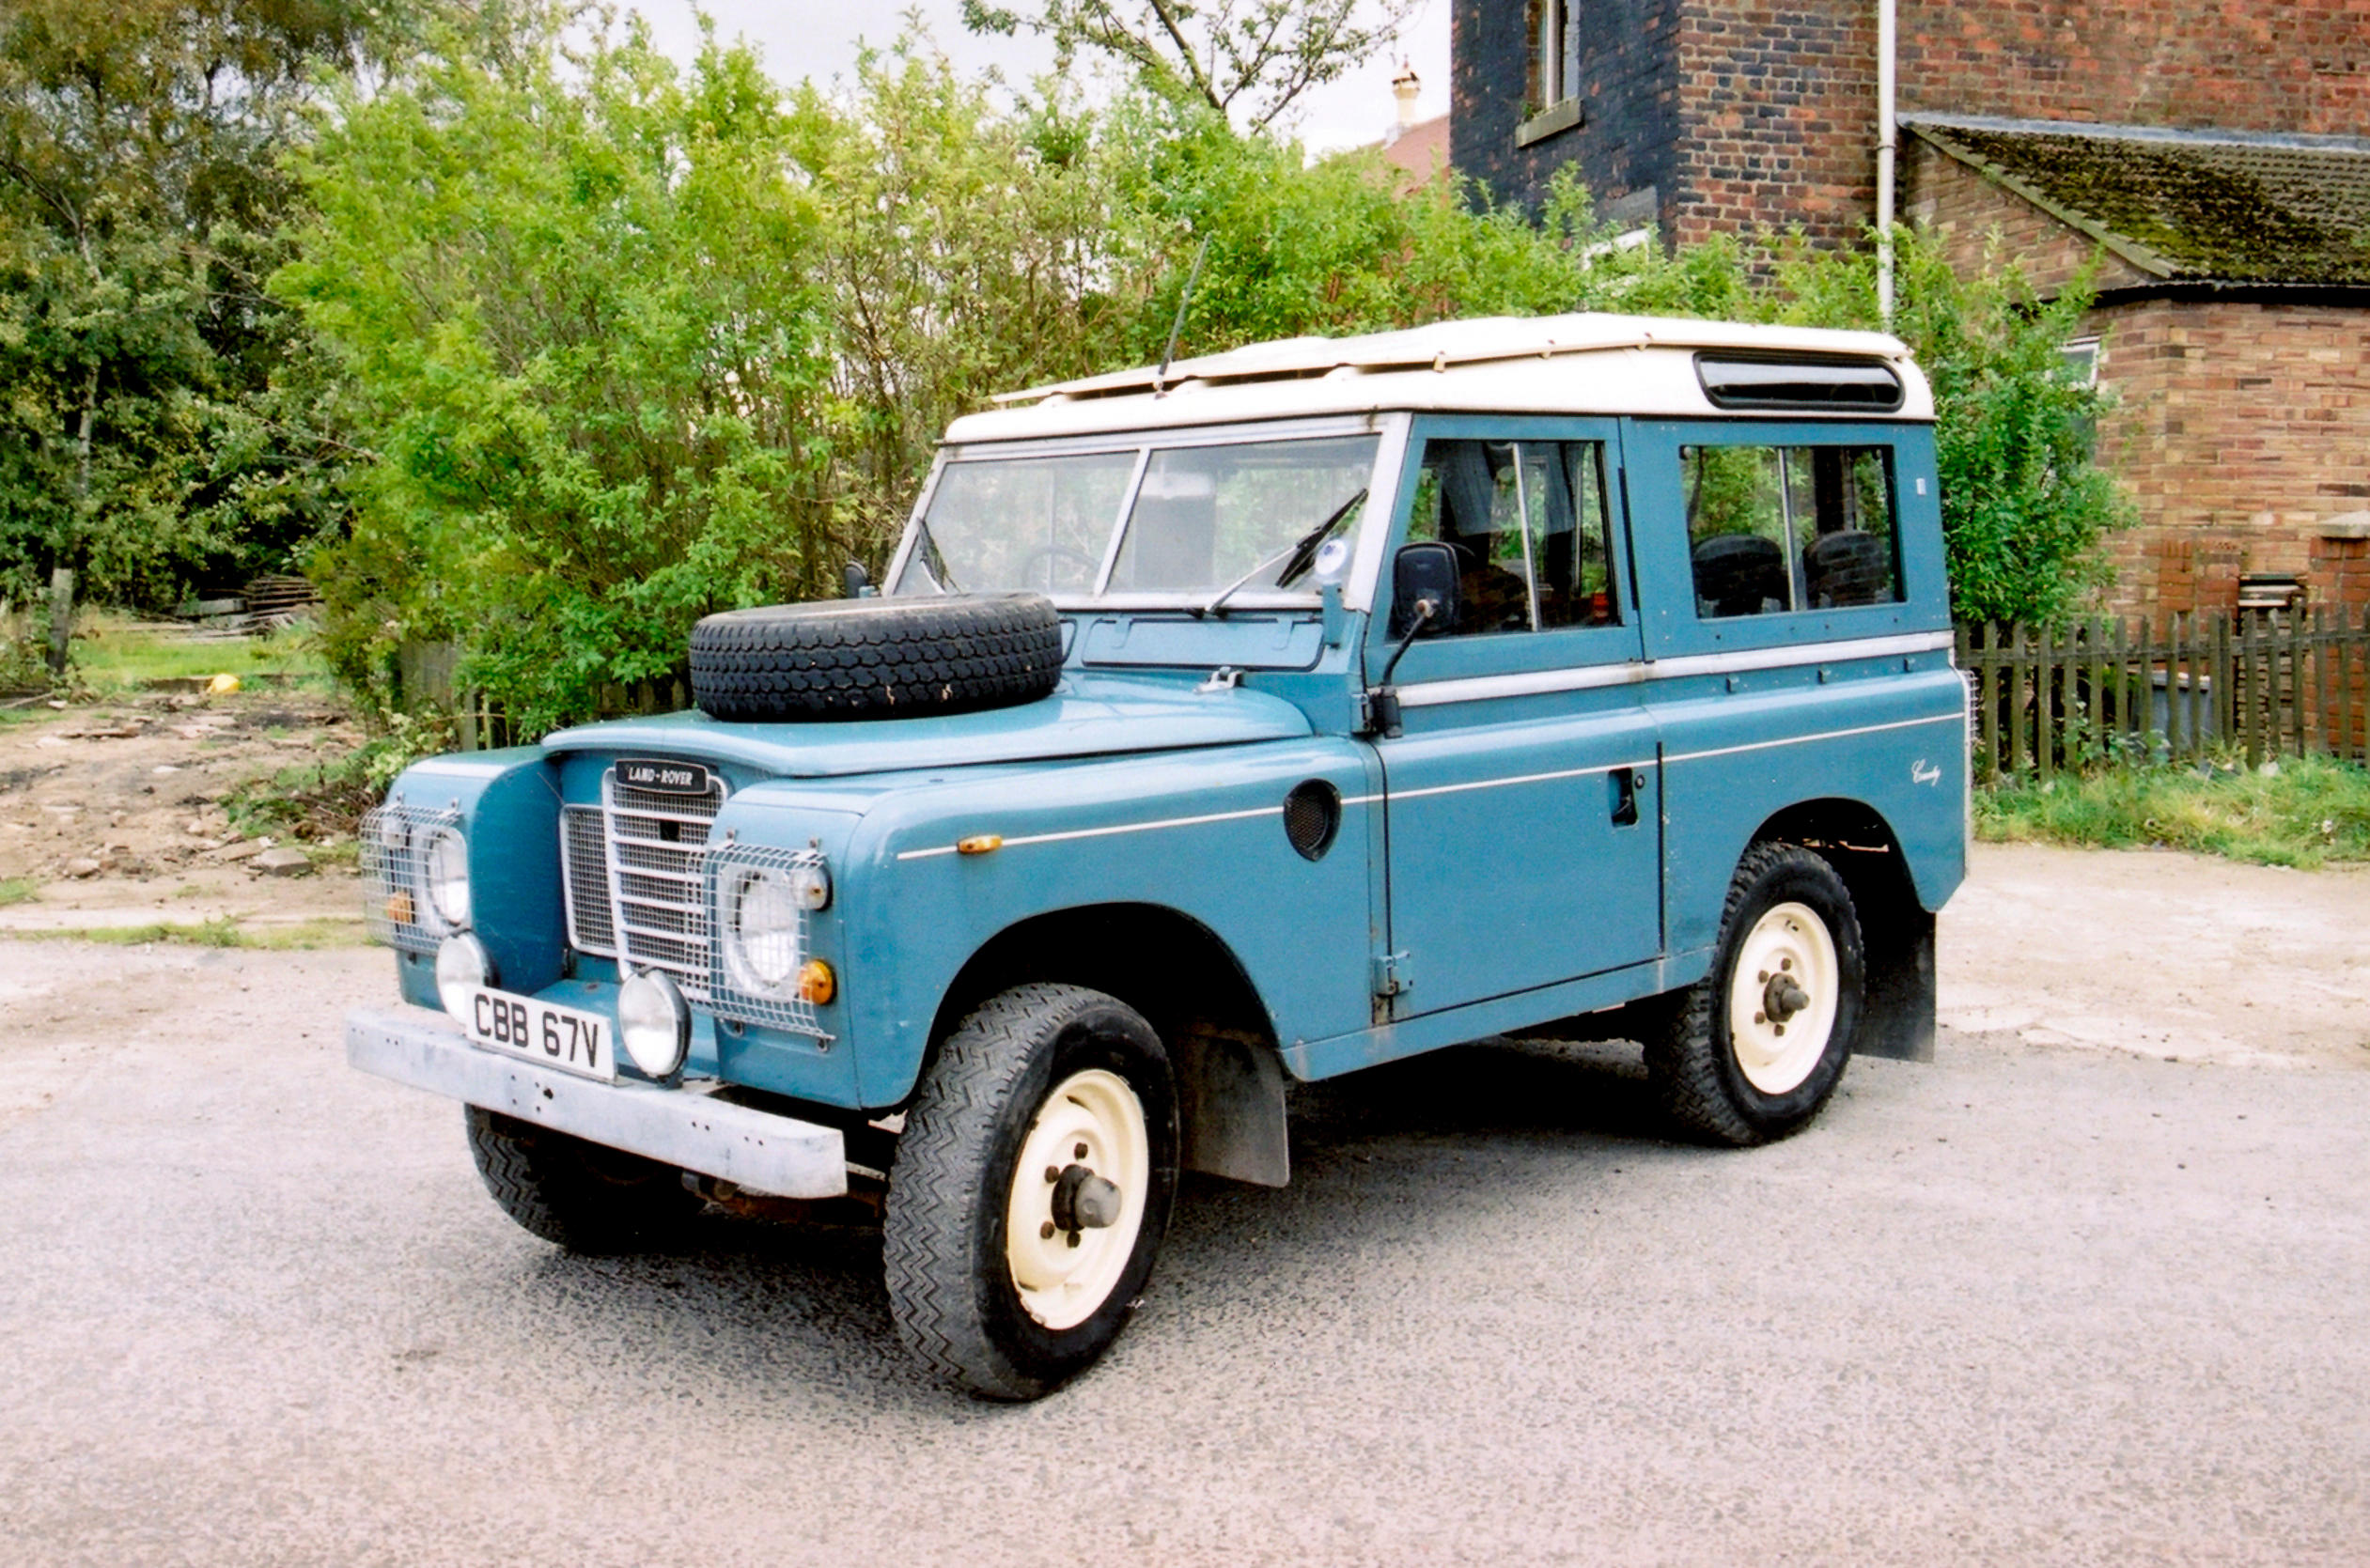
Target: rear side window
1773,530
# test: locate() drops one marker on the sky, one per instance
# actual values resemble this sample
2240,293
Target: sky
818,39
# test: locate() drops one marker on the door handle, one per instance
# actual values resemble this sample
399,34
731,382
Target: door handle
1626,783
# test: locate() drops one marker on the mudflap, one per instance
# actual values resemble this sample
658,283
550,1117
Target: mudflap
1898,1019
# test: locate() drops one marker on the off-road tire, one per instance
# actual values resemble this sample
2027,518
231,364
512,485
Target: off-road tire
1691,1051
876,657
579,1195
952,1291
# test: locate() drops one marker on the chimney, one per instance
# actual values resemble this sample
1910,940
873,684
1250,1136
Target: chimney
1405,86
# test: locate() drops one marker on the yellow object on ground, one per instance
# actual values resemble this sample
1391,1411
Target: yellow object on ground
221,685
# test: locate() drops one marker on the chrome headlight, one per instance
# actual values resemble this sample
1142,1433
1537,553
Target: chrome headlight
463,965
765,920
445,869
654,1022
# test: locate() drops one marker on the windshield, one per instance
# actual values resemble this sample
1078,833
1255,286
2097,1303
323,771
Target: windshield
1202,518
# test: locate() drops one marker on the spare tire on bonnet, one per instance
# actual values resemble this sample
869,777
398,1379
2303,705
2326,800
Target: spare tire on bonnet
877,657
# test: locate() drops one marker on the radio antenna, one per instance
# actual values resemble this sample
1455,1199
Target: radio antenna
1184,300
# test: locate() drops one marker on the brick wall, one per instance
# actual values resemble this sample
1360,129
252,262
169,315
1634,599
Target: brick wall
1778,116
1982,225
1752,116
2242,429
1628,89
2241,64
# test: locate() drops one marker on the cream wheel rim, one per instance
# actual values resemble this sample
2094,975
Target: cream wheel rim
1781,997
1064,1275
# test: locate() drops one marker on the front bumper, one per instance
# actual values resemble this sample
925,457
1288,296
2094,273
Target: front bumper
754,1150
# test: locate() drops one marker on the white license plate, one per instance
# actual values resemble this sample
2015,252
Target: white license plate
548,1035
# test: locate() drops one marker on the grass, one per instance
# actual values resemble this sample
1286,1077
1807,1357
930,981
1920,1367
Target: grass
18,890
2303,812
114,651
304,936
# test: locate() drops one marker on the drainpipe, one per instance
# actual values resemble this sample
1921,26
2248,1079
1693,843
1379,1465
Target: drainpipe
1885,41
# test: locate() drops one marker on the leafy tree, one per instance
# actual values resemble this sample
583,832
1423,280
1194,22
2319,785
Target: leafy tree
147,431
2024,507
573,292
958,247
1258,55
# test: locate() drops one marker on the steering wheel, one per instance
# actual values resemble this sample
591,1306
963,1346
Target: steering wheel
1048,554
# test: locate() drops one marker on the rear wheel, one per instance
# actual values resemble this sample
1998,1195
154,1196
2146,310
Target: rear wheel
583,1196
1753,1051
1032,1187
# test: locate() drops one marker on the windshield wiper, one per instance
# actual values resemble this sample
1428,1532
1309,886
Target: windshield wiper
1297,555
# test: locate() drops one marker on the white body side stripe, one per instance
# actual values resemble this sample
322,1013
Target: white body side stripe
1824,734
1432,694
1277,810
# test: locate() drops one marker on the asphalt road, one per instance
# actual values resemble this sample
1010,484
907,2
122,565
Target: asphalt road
2025,1303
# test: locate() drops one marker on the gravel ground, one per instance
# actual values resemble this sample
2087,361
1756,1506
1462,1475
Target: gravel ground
2055,1296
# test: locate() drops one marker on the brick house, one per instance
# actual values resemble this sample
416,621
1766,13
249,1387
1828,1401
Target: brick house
2211,158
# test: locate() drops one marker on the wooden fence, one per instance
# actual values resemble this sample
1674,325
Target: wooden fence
482,725
2266,683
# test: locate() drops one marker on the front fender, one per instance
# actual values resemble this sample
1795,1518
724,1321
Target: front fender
1198,833
508,805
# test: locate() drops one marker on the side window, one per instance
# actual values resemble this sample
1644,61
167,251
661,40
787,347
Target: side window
1776,529
1529,524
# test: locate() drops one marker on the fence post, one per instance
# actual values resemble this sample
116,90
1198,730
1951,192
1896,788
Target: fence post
2122,685
2251,707
2224,690
2044,722
2317,638
1988,686
2097,632
61,617
2196,716
2295,682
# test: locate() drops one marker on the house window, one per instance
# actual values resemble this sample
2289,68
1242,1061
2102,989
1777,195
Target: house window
1550,74
2081,361
1550,90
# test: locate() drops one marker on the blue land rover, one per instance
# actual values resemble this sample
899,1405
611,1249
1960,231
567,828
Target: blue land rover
1283,712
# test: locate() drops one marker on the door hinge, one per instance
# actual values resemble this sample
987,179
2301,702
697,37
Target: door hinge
1391,975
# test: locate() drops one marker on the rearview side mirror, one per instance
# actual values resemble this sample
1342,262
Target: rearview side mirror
1421,572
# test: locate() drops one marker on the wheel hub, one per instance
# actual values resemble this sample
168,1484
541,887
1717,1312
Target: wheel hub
1084,1201
1782,997
1077,1197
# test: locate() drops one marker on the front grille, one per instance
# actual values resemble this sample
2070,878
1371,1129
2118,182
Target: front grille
635,873
584,879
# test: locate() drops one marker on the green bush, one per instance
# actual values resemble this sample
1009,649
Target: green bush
573,293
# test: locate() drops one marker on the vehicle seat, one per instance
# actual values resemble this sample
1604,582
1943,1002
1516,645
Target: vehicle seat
1847,567
1740,574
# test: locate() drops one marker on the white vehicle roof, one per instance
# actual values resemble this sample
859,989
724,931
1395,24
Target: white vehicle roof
1585,364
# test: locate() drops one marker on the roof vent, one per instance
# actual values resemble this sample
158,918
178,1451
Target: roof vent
1853,385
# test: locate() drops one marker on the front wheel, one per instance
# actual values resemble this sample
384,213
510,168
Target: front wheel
1753,1050
1031,1189
583,1196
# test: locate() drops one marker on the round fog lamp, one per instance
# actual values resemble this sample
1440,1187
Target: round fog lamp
463,965
654,1023
445,869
